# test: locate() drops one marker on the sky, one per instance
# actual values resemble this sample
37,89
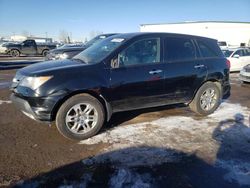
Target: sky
83,18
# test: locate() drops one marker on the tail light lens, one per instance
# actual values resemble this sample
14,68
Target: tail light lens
228,64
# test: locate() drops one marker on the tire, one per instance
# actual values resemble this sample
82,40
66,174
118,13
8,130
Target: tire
205,96
14,53
245,82
45,52
74,126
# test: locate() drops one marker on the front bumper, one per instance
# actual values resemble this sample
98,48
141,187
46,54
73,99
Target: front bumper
40,109
3,50
244,76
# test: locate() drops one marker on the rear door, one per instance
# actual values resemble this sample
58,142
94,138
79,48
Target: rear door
137,78
184,70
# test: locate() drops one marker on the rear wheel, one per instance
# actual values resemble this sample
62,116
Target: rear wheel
80,117
14,53
207,99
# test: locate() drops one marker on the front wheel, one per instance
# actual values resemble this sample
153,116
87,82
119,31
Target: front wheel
80,117
207,99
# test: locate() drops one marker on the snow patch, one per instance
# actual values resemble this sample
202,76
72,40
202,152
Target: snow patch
3,101
165,139
154,133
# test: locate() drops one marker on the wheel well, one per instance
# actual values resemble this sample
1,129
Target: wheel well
93,94
217,82
14,49
45,50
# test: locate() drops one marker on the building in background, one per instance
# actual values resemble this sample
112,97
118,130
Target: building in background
232,33
37,39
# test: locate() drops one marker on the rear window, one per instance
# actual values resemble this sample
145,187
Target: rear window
209,49
178,49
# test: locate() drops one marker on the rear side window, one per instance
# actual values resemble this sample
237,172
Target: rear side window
178,49
208,49
239,52
248,52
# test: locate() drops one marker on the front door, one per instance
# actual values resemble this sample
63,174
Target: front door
137,78
29,47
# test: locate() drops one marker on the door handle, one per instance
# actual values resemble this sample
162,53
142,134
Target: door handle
155,71
198,66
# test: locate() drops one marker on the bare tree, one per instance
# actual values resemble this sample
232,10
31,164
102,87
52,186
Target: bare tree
63,36
93,34
25,33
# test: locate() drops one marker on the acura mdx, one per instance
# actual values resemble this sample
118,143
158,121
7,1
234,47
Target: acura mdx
121,73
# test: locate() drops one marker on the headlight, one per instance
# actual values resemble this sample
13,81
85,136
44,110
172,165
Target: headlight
61,56
34,82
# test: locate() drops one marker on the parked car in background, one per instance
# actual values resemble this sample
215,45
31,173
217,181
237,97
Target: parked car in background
123,72
238,57
68,51
245,74
27,47
223,45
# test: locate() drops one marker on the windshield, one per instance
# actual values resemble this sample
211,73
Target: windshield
227,53
95,40
100,50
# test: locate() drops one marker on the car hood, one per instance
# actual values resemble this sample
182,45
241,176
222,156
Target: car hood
61,50
47,67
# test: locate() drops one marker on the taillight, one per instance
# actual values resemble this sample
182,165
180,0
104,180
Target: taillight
228,64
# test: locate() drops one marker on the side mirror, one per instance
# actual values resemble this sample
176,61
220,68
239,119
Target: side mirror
236,56
114,63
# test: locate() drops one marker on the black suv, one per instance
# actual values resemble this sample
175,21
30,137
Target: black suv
123,72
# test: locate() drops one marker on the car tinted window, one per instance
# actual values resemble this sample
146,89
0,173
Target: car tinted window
178,49
227,53
206,49
28,43
246,52
141,52
239,52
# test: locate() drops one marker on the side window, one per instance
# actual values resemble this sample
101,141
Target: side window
178,49
141,52
206,51
246,52
28,43
239,52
